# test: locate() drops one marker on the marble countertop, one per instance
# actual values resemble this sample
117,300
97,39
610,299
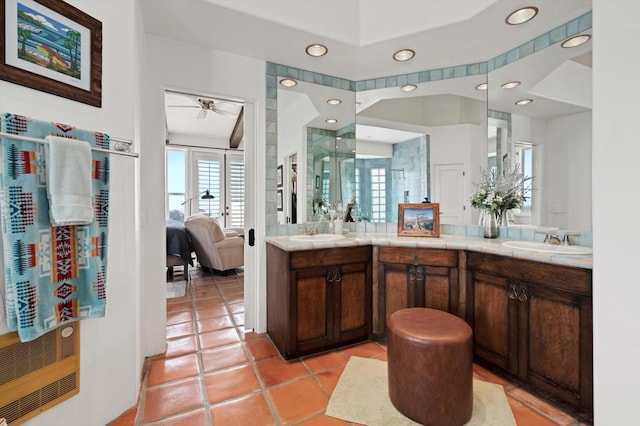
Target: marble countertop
454,242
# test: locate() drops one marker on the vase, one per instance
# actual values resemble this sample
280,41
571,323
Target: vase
490,225
502,218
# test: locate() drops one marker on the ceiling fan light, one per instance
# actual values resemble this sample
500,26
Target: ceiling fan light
511,84
522,102
316,50
334,101
482,86
288,82
408,87
404,55
522,15
576,41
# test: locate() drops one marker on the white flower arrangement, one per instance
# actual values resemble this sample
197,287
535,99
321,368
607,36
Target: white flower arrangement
498,193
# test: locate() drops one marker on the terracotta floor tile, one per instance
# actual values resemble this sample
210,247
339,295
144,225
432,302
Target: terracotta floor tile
381,357
543,406
275,371
227,384
323,420
298,399
174,300
217,338
248,335
179,317
250,410
171,369
128,418
236,298
329,379
326,361
192,418
209,312
216,323
223,357
239,319
489,376
206,293
236,308
527,416
180,330
212,303
179,307
181,346
364,350
261,348
163,401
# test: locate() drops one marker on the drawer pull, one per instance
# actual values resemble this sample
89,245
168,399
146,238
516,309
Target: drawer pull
522,296
512,293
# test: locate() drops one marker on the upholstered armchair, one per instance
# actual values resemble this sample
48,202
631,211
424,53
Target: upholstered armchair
214,248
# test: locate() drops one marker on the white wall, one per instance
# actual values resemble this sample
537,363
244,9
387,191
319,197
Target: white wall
110,361
615,212
193,69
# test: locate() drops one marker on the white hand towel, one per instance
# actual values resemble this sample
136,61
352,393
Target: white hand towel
69,184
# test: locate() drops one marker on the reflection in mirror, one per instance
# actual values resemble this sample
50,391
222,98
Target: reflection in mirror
317,154
548,138
446,121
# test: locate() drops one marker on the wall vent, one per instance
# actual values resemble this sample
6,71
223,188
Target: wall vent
37,375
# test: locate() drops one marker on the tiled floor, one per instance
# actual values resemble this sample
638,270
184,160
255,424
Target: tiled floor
215,373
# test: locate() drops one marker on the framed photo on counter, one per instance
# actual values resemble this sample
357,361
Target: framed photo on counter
419,220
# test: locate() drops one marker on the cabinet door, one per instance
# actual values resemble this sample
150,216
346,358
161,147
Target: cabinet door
397,283
352,312
495,317
554,330
312,313
437,288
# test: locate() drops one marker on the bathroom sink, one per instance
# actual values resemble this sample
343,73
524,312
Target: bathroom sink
547,248
317,237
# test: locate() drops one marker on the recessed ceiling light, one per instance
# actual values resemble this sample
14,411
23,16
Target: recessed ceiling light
330,121
482,86
510,85
288,82
334,101
408,87
576,40
316,50
524,102
338,138
404,55
521,16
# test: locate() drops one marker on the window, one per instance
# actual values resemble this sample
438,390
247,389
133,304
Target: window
524,157
378,195
235,191
176,184
357,187
209,173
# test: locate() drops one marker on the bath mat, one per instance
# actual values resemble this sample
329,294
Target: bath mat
361,396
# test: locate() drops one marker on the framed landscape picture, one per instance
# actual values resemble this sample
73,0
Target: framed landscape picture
419,220
51,46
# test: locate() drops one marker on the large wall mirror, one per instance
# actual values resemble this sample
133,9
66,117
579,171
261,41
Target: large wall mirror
316,150
550,137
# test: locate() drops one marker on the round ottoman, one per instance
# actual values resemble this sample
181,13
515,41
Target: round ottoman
430,366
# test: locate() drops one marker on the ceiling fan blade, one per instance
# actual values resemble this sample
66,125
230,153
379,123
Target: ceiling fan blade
202,114
183,106
221,111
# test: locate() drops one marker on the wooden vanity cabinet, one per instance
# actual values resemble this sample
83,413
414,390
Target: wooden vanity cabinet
533,321
318,299
415,277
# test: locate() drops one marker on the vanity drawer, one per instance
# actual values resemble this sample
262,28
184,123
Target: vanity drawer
418,256
329,257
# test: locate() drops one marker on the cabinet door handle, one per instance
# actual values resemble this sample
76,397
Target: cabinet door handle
338,277
411,272
512,293
419,274
522,296
331,276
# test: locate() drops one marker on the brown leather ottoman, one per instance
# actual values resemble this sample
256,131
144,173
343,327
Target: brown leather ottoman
430,366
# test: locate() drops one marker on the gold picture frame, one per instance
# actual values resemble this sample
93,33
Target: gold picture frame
419,220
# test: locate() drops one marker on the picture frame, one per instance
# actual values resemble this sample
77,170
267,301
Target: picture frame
280,176
279,203
419,220
51,46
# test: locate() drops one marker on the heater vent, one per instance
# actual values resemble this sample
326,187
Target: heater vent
37,399
37,375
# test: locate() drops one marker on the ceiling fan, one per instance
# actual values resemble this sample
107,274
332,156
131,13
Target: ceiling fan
206,106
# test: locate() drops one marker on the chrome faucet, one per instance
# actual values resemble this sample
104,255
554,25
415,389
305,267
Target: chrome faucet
310,229
565,239
549,238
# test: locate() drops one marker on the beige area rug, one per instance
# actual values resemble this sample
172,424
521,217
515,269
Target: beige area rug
176,289
361,396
